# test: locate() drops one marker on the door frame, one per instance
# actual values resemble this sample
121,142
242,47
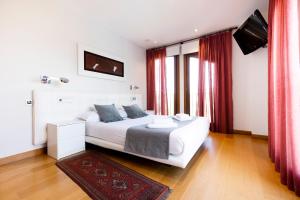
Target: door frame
187,80
177,85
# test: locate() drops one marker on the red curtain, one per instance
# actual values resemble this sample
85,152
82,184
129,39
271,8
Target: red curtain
284,91
215,77
151,96
157,100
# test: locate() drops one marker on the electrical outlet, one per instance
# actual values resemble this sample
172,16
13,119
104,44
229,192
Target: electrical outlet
133,98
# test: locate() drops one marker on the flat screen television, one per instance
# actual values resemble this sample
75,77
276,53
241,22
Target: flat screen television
253,34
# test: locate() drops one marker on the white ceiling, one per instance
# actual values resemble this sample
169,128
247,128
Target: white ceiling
164,21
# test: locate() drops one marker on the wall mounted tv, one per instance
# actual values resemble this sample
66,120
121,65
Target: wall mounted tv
253,34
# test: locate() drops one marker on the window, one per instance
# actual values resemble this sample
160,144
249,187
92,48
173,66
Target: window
170,71
192,84
157,86
207,97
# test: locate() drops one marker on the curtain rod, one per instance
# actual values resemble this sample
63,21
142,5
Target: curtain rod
196,38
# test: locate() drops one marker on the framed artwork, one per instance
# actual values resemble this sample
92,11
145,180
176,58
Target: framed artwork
96,63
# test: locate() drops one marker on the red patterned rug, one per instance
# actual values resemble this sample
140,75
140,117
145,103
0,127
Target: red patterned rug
102,178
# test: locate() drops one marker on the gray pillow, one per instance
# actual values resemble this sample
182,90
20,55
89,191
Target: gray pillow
134,111
108,113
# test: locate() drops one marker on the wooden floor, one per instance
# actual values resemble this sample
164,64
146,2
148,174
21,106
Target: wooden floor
226,167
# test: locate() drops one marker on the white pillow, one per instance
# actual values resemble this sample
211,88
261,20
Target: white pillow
89,116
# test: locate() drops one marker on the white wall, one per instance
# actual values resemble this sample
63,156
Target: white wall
39,38
250,90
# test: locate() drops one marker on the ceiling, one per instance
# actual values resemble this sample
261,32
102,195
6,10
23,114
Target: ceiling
151,23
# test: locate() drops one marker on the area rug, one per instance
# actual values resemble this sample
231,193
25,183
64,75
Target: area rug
104,179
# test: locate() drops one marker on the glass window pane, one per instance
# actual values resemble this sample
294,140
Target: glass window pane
170,71
194,78
209,82
157,85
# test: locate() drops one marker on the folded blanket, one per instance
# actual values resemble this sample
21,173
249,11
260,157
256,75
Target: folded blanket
182,117
150,142
162,125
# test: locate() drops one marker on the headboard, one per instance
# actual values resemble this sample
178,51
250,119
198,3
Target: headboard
58,105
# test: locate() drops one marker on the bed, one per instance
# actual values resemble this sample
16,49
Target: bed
183,141
60,105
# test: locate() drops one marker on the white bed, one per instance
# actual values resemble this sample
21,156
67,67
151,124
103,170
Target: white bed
62,105
183,143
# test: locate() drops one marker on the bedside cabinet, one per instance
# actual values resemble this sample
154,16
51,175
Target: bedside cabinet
65,138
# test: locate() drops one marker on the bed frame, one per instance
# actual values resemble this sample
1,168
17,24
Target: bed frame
181,160
53,106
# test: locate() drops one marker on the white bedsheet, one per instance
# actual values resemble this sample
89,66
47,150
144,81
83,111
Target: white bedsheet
115,132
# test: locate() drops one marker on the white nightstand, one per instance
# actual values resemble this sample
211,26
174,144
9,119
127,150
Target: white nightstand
65,138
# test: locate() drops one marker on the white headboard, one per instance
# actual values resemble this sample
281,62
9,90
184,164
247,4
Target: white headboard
57,105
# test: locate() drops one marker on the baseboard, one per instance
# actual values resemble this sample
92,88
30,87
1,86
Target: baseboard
243,132
264,137
21,156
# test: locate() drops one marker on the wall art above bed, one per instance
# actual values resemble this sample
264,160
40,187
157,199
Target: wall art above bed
97,63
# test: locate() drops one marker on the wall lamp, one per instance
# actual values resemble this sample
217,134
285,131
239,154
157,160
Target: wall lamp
134,87
50,80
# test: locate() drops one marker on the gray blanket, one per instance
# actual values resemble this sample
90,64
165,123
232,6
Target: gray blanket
150,142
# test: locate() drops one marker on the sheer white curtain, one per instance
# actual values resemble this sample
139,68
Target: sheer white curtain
194,87
157,86
170,78
193,76
170,71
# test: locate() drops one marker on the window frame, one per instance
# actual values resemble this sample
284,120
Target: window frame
176,84
187,80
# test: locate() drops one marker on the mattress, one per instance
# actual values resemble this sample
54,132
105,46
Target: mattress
180,138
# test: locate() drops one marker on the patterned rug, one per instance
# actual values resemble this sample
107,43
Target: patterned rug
102,178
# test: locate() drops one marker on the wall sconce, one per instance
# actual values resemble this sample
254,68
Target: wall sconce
134,87
49,79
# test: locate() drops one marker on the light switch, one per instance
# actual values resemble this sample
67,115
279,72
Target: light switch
29,102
